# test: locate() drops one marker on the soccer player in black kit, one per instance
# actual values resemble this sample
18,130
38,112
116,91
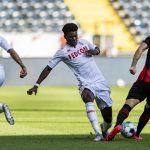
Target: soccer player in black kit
139,91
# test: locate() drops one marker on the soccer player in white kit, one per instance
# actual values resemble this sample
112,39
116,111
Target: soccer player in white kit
7,47
77,55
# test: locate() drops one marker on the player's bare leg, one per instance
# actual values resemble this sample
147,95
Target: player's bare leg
88,98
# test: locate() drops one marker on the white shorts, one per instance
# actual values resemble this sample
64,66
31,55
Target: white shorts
2,74
101,93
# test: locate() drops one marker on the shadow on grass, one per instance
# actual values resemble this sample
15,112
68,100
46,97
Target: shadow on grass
70,142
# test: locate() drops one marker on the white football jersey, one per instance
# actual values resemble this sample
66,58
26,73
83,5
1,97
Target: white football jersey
83,66
4,44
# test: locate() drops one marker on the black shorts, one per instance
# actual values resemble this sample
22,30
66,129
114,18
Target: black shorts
140,90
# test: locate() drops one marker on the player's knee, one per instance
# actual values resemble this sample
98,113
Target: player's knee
87,96
87,99
132,102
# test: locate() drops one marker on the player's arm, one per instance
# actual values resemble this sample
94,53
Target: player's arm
91,52
17,59
42,76
143,46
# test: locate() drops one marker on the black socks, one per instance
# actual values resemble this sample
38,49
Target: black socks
123,114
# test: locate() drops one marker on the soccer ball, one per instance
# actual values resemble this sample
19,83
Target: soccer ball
128,129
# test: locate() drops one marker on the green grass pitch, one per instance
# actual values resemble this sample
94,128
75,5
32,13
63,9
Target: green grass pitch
55,119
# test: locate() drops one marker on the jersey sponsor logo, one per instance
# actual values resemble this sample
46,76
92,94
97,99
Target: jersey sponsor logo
78,52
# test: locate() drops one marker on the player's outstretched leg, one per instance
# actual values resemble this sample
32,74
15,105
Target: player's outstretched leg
88,98
123,114
92,116
8,115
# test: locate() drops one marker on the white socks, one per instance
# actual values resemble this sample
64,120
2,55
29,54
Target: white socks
92,116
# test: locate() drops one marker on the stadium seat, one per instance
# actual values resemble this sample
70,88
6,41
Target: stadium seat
138,12
35,15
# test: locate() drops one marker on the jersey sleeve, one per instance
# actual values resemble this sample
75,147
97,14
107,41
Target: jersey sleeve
4,44
147,41
55,59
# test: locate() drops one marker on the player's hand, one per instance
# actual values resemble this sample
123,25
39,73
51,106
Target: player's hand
32,90
23,72
90,52
132,70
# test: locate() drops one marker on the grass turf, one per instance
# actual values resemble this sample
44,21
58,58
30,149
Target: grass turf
55,119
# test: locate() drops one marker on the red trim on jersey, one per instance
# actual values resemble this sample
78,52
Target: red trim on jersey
147,78
145,74
142,74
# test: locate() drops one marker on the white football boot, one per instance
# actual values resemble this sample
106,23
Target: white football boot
98,137
8,115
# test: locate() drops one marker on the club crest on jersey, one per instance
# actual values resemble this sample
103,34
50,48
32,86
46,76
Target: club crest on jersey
78,52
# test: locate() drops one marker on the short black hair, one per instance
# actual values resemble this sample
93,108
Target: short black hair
69,27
